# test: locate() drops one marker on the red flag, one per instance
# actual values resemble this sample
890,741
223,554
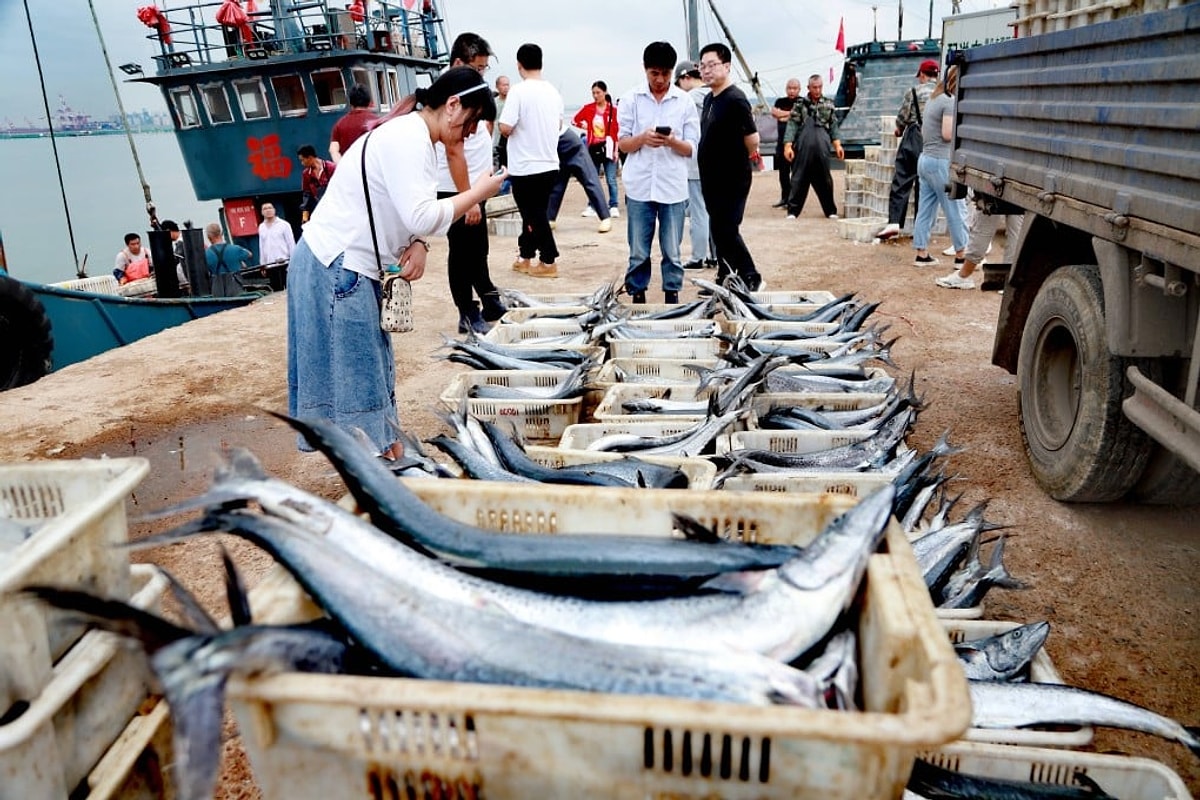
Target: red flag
841,40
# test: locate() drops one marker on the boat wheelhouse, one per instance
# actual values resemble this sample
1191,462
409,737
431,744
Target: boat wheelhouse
248,85
875,77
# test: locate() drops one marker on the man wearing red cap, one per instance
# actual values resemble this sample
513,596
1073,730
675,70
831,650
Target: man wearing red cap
908,131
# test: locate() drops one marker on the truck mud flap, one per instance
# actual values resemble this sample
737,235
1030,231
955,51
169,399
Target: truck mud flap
1167,419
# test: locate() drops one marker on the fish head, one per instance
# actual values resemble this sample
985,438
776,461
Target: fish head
1009,652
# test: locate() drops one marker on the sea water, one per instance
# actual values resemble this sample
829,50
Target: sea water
104,197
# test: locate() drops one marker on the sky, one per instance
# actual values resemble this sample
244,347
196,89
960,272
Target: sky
582,42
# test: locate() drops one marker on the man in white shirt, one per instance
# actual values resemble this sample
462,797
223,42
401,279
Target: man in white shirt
531,120
275,237
659,130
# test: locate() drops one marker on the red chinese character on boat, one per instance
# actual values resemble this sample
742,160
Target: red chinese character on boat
267,157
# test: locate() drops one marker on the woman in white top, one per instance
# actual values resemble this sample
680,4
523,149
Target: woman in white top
340,363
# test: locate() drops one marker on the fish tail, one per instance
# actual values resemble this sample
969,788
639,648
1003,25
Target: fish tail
1194,744
115,616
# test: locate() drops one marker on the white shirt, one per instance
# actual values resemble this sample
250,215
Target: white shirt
698,96
402,175
534,109
478,151
275,241
657,174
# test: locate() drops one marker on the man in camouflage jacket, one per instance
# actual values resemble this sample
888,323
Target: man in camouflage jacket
812,131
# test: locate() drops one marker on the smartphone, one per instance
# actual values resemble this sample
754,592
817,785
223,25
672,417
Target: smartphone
663,130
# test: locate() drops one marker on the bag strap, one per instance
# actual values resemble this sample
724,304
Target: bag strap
221,255
370,213
917,106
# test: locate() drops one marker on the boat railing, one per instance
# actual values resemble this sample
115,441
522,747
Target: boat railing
204,33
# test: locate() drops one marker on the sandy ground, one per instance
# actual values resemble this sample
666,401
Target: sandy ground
1117,582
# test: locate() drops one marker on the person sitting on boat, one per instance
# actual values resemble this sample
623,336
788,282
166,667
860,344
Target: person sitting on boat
314,179
225,262
181,272
133,262
355,123
275,237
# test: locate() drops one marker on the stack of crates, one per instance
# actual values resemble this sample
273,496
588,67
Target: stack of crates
76,711
868,184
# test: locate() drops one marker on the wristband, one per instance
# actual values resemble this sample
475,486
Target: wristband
417,240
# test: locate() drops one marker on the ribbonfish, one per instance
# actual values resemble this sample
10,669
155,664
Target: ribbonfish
931,782
1004,656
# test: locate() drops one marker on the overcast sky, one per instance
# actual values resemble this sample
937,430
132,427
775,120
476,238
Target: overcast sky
582,42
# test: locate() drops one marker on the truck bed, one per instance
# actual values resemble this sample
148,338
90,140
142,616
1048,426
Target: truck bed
1095,127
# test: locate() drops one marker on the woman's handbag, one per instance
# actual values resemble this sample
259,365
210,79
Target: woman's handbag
395,305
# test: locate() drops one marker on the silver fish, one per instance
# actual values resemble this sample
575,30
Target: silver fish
691,442
1021,705
1004,656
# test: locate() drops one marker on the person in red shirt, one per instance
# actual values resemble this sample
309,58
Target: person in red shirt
354,124
314,179
599,119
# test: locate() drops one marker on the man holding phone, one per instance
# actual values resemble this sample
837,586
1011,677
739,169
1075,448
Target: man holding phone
659,129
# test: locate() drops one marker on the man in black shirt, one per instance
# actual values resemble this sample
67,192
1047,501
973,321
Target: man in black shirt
781,111
728,141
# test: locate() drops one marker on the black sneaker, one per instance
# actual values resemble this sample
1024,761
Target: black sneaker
671,297
754,282
493,306
639,298
780,204
473,321
710,263
694,265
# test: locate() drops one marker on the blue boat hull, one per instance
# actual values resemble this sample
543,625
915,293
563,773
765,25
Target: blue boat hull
85,324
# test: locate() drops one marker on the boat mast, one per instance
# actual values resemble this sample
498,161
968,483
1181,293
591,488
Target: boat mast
691,15
750,76
124,121
62,188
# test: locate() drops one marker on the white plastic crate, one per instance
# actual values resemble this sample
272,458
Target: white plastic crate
611,408
95,690
851,484
520,316
539,420
578,437
138,766
862,229
816,345
795,442
78,508
529,332
1119,776
505,226
559,298
664,371
1041,670
675,349
314,736
813,296
756,328
699,471
672,328
100,284
1036,17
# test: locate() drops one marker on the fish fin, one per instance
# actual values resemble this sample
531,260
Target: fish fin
205,524
235,591
197,712
115,616
194,613
740,583
693,530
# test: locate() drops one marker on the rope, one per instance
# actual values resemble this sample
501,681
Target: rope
53,142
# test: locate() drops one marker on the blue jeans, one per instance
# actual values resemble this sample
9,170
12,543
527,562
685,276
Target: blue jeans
610,177
934,174
641,217
339,362
698,214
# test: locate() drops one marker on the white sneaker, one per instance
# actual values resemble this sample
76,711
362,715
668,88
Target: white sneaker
553,224
791,216
833,216
614,212
954,281
588,212
605,225
949,251
888,231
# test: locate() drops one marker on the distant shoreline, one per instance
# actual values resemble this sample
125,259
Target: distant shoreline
45,133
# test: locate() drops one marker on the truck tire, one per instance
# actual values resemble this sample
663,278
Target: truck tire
1081,446
1167,481
23,322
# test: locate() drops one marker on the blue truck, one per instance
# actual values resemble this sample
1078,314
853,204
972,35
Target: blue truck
1093,134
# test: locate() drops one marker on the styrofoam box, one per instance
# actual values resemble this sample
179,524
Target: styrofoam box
540,420
578,437
700,471
794,296
1119,776
139,765
79,507
1041,670
850,484
531,331
686,349
657,371
519,316
311,736
756,327
95,690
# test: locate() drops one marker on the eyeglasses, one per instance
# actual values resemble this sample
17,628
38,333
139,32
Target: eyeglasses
711,64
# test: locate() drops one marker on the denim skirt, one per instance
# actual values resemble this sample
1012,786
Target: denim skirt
340,363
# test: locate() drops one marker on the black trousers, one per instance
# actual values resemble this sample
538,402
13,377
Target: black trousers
904,183
725,198
467,261
784,168
810,167
532,195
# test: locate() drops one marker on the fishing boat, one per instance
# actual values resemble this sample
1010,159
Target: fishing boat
246,86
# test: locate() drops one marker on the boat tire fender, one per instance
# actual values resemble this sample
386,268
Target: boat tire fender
26,341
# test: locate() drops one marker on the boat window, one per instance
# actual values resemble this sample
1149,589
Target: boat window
252,98
381,92
363,78
185,107
393,87
216,102
289,94
330,88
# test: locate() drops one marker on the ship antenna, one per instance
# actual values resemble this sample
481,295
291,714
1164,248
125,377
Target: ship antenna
53,143
125,121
